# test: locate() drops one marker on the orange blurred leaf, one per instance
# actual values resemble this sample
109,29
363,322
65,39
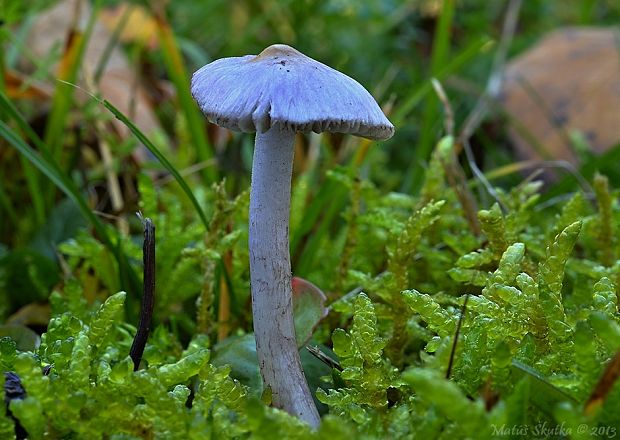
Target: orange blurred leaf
18,86
138,26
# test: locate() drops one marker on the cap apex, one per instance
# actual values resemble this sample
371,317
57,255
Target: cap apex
278,50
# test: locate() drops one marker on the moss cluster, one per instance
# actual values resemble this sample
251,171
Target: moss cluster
539,329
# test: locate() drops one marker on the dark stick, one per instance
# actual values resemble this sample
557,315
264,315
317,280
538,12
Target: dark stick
317,353
148,297
456,337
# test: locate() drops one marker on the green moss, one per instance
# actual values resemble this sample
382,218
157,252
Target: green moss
541,323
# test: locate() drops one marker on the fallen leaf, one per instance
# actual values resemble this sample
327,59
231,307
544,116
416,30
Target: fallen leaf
19,86
569,81
119,82
240,353
33,314
308,308
25,338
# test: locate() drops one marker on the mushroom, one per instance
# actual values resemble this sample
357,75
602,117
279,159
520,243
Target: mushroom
276,94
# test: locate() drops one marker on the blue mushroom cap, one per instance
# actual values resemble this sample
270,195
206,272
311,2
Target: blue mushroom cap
283,87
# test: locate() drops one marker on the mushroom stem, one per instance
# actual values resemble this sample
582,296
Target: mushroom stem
270,275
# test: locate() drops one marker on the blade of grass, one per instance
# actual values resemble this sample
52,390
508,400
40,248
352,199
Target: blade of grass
59,179
44,163
63,96
545,395
412,179
32,179
5,204
35,190
176,71
336,198
112,42
414,98
17,42
441,41
327,194
2,71
44,159
587,11
160,157
62,100
8,108
329,202
430,115
224,300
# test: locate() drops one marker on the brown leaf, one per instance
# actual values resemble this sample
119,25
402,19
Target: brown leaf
119,82
568,81
18,86
33,314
